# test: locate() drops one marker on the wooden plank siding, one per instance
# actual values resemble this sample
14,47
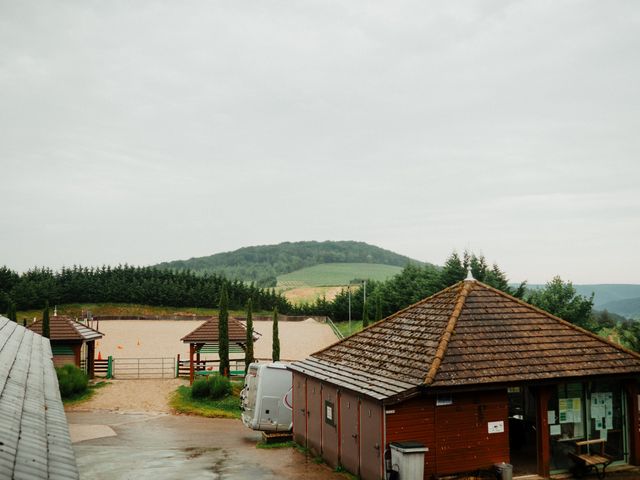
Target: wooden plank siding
456,435
329,431
299,409
371,443
350,431
314,416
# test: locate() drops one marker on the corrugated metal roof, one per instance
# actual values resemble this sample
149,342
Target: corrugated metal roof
468,334
66,328
208,332
34,435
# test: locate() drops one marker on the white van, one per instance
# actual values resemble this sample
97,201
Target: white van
266,397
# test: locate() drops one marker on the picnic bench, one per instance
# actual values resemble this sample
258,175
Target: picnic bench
590,460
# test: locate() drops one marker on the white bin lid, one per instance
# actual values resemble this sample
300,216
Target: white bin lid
408,447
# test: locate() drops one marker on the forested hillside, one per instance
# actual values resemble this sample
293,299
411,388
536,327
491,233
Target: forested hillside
262,264
126,284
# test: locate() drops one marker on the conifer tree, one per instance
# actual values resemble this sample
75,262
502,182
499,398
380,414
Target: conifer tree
365,315
248,354
46,330
378,307
275,353
223,332
11,313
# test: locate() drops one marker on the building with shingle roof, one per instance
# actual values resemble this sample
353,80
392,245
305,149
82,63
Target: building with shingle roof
479,377
206,335
72,342
34,435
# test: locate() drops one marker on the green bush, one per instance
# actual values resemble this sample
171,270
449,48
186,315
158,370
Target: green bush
72,380
201,388
219,387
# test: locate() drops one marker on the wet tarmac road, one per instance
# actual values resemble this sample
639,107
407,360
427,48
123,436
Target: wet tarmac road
163,447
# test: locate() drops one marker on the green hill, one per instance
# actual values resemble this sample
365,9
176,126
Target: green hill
263,264
620,298
628,307
337,274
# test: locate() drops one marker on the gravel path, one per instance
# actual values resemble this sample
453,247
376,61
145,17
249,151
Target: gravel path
133,396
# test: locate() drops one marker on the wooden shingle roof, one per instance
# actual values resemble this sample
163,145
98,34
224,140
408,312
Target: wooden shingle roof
208,332
468,334
66,328
34,436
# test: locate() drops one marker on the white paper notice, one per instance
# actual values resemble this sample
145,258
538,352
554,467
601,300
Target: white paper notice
608,423
551,416
603,434
597,411
555,430
496,427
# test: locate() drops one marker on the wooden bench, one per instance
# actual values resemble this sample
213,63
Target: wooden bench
587,461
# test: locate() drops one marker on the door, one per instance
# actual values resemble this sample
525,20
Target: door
370,440
349,432
299,409
314,415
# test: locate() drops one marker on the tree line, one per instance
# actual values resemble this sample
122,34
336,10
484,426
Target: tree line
127,284
417,282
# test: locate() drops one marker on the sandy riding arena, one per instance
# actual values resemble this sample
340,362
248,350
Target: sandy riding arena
161,338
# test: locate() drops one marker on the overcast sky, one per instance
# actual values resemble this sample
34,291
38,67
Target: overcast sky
148,131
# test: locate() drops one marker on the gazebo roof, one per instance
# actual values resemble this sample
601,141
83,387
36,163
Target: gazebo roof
208,332
468,334
66,328
34,436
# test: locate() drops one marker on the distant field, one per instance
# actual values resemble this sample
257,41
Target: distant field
75,310
300,295
328,274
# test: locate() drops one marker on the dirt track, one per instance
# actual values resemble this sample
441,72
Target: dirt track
132,396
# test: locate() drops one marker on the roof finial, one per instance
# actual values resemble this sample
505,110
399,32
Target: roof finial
469,275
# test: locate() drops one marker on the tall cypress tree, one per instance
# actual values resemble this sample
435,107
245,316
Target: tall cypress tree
378,307
248,354
275,352
46,330
365,315
223,332
11,313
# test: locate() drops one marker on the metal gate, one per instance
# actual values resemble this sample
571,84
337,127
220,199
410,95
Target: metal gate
139,368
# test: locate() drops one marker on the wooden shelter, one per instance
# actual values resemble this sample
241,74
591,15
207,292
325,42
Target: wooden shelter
207,334
71,342
34,436
477,376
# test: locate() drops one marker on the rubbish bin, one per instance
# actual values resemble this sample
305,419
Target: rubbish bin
504,471
407,460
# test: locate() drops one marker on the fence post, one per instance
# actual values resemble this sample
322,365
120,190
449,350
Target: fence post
109,366
178,366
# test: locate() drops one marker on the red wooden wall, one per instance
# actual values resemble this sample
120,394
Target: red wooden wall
456,435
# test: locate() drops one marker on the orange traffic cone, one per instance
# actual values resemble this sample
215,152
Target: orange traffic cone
99,356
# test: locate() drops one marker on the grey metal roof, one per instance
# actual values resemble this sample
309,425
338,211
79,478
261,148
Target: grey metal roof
34,435
359,381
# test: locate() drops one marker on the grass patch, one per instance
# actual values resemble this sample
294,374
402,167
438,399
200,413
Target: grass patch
338,274
75,310
356,326
85,396
267,446
228,407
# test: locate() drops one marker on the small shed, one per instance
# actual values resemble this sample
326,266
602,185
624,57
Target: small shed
34,435
475,375
205,339
71,342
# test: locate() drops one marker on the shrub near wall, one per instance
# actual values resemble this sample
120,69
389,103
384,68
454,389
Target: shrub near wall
72,380
214,388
